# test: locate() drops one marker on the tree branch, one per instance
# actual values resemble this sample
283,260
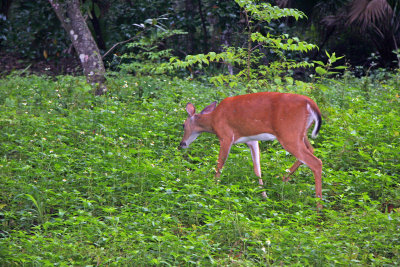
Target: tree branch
115,45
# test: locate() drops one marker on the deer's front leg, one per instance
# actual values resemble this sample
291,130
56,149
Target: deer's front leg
225,147
255,155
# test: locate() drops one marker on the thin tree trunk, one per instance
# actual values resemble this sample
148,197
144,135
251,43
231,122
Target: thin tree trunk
203,23
249,46
191,29
397,50
98,33
225,36
5,7
68,12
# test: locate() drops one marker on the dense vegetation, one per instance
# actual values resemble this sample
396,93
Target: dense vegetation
364,31
98,180
91,180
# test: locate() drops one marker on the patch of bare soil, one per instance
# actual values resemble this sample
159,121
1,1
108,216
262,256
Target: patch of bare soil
59,66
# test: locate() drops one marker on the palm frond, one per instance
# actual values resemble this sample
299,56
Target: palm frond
369,14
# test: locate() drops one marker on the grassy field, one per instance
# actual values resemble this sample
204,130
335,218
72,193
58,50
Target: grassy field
99,181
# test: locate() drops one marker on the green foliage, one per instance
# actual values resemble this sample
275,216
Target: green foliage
24,32
98,180
146,53
31,29
264,59
266,12
325,73
328,69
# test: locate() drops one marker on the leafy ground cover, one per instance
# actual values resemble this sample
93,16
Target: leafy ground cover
89,180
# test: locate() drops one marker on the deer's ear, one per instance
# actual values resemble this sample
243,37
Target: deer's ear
210,108
190,109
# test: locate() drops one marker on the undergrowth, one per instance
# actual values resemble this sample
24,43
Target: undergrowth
89,180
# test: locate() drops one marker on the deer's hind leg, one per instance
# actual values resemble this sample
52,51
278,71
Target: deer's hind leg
304,155
298,163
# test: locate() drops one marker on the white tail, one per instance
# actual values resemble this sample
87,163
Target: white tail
260,117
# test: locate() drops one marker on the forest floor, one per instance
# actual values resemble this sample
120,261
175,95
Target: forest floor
68,65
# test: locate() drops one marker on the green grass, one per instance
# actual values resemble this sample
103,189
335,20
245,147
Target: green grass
89,180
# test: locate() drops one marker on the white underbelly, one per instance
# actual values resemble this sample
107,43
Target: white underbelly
258,137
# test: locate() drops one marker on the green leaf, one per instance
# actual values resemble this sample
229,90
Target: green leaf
212,56
340,67
97,11
319,63
321,71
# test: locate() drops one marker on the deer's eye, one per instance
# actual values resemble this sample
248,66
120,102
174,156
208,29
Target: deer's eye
183,126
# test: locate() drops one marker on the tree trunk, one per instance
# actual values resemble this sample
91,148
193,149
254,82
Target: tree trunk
225,40
190,26
203,24
5,7
68,12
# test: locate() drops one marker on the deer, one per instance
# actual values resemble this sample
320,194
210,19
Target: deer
263,116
